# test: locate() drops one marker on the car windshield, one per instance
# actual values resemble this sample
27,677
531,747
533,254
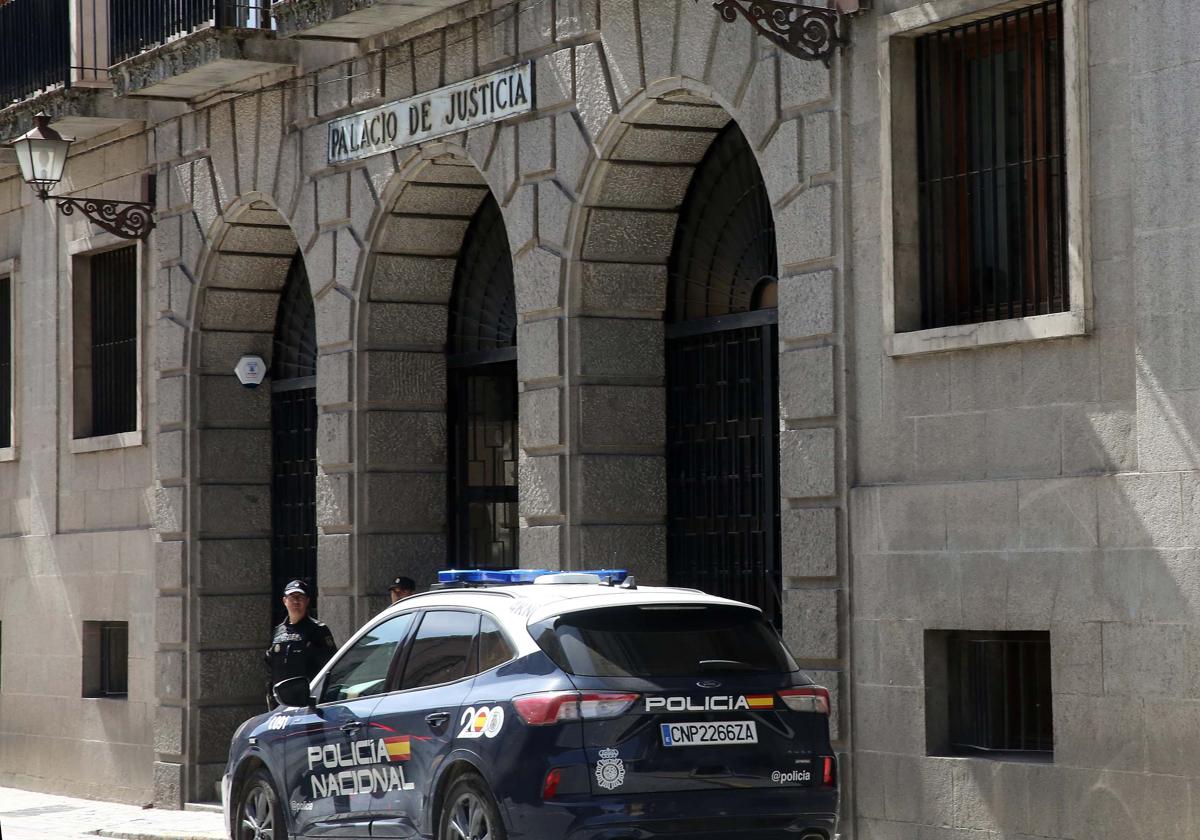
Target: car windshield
662,640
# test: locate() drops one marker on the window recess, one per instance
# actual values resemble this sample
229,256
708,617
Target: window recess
991,162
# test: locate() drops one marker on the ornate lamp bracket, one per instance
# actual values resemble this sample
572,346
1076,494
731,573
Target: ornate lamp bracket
126,219
808,32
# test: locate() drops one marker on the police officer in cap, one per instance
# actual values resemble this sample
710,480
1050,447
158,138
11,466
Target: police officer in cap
301,645
401,587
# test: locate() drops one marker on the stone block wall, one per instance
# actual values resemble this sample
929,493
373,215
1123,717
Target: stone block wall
1045,485
75,539
629,95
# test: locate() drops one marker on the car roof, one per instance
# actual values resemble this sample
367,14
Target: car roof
536,602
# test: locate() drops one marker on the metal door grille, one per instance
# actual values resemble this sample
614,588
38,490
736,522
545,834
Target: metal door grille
114,341
294,439
484,406
991,169
722,440
6,367
1000,692
483,398
722,384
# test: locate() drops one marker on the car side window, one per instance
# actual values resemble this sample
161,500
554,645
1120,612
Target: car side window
362,670
494,649
442,649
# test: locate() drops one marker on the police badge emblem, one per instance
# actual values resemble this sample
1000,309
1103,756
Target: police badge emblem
610,770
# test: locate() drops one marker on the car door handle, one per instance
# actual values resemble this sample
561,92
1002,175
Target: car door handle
438,719
352,727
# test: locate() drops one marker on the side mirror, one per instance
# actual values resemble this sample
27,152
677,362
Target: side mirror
294,692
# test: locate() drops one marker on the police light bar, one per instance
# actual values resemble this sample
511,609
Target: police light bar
491,577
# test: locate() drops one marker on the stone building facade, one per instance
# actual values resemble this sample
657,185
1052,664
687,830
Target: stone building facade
1023,475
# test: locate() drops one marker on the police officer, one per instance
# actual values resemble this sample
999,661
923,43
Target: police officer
401,587
301,645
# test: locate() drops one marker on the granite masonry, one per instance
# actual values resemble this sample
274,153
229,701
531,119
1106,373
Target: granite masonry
1022,476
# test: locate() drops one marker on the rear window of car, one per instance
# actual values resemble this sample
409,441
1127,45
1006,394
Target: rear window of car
662,641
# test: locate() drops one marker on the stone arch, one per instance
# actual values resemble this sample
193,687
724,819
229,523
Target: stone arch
406,292
622,234
623,237
242,277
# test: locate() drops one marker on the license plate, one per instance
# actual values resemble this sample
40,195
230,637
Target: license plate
708,734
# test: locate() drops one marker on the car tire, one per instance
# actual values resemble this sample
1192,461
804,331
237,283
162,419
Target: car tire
469,810
259,815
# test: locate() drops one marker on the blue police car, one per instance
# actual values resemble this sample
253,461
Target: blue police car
547,706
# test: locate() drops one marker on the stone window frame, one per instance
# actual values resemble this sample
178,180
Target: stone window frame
12,270
80,252
898,33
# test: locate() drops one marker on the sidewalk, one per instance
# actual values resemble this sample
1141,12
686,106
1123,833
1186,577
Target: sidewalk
27,816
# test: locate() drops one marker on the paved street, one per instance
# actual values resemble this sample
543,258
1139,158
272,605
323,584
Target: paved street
39,816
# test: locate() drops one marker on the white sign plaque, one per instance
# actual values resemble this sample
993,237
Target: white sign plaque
449,110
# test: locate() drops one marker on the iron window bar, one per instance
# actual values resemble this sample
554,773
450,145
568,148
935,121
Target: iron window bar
114,341
1001,693
114,659
35,47
6,366
991,169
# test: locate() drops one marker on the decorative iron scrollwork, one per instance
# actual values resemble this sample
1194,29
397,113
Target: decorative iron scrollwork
126,219
808,32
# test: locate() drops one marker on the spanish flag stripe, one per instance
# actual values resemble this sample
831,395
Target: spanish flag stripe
760,701
399,749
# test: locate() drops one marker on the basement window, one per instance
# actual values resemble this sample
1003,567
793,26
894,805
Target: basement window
988,694
106,659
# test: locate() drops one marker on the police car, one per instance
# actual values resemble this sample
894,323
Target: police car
540,705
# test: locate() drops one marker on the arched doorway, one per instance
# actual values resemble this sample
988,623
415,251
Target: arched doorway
294,439
482,406
722,383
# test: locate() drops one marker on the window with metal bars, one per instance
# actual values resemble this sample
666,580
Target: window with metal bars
110,344
991,169
6,361
995,696
106,659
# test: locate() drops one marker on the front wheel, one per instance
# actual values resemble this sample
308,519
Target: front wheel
470,812
259,816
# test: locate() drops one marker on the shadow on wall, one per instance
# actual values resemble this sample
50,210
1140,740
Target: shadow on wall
1107,565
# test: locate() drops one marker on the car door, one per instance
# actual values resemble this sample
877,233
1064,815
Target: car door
425,716
333,763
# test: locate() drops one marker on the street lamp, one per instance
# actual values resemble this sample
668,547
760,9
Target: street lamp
42,156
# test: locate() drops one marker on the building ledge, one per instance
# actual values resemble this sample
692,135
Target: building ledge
78,111
105,443
350,20
202,63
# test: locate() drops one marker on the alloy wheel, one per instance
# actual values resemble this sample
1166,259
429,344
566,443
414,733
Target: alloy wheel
468,820
258,817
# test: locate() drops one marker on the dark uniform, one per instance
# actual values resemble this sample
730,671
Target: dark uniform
298,650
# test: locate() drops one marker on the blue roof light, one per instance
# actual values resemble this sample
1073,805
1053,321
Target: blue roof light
483,577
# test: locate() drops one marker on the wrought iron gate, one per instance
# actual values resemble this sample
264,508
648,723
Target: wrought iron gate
294,440
722,440
722,384
482,354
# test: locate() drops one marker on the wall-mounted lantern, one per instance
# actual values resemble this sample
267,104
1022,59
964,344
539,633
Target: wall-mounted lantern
42,156
805,31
